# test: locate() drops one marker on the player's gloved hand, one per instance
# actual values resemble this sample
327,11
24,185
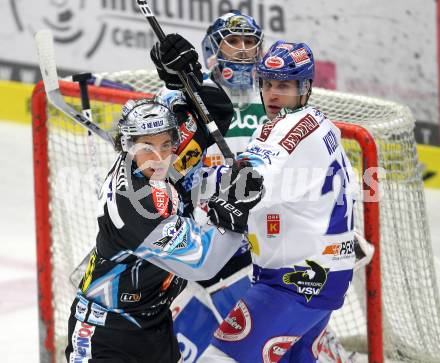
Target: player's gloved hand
175,54
240,189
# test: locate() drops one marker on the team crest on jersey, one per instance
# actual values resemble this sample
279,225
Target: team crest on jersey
275,348
174,236
308,282
237,325
273,225
299,132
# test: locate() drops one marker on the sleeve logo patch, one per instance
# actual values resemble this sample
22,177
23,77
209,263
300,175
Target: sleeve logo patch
299,132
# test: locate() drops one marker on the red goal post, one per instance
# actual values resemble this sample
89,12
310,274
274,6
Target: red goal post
65,213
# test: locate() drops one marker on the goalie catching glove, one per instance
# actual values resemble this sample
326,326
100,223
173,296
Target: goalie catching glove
239,190
175,54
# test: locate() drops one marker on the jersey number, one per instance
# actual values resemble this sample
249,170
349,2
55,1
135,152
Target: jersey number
339,217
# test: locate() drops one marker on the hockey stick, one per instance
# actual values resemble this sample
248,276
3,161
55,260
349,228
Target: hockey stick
82,79
190,89
46,56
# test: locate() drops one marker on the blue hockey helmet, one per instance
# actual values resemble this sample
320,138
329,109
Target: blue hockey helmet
288,61
234,70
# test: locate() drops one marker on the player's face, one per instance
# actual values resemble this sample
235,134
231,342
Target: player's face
278,95
239,47
152,154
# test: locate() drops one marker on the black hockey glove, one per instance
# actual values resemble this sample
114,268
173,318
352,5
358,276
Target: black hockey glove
240,189
175,54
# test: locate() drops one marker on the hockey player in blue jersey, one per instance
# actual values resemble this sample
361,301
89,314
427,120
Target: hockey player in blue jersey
306,212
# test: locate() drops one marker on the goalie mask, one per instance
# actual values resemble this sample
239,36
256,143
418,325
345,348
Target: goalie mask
145,117
231,49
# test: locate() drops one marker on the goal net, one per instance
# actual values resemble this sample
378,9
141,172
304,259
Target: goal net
402,272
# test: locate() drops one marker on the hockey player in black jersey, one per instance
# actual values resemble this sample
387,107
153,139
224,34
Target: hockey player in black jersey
147,245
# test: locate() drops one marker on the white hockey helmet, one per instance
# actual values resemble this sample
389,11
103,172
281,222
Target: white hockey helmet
146,117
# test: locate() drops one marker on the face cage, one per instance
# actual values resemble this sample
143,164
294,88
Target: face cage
216,39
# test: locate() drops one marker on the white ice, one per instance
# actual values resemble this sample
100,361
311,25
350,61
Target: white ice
18,292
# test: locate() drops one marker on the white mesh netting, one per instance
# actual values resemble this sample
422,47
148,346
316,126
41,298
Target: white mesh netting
411,313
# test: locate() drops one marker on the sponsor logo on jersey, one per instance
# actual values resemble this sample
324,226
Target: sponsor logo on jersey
187,131
274,62
300,57
189,157
267,128
273,225
339,249
276,347
237,325
227,73
161,201
308,282
130,298
299,132
264,154
98,315
81,342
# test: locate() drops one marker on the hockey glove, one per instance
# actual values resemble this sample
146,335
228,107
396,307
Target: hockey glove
240,189
242,184
175,54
